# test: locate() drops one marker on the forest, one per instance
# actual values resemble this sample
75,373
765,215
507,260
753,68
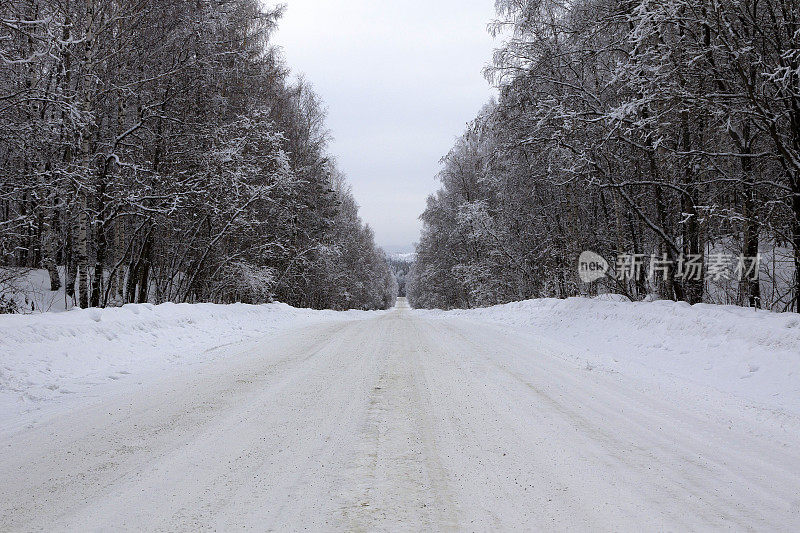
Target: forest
161,151
656,129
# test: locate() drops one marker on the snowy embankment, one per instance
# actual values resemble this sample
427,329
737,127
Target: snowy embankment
49,357
752,355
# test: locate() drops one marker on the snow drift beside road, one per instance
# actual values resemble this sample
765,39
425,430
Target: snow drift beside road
50,355
754,355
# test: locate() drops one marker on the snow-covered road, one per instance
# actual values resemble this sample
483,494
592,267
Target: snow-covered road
400,422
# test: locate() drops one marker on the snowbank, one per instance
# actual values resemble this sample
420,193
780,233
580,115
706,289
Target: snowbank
754,355
44,357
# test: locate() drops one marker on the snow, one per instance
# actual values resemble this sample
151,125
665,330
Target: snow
752,355
31,292
46,357
401,421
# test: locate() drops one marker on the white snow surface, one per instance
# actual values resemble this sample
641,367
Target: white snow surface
576,415
753,355
49,357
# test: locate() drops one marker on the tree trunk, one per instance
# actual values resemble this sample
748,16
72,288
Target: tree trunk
119,223
97,284
100,240
130,285
796,239
144,268
70,267
49,263
692,239
750,288
85,157
82,246
50,249
670,289
119,249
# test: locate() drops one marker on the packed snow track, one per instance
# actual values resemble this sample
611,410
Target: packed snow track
398,422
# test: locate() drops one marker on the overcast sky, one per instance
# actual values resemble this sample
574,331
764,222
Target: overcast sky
400,81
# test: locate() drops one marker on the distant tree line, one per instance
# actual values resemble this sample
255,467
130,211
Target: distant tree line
156,150
400,267
663,127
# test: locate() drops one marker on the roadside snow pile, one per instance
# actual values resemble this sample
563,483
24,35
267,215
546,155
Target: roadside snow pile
754,355
46,356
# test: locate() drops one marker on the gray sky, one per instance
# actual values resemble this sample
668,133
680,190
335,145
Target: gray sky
400,80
